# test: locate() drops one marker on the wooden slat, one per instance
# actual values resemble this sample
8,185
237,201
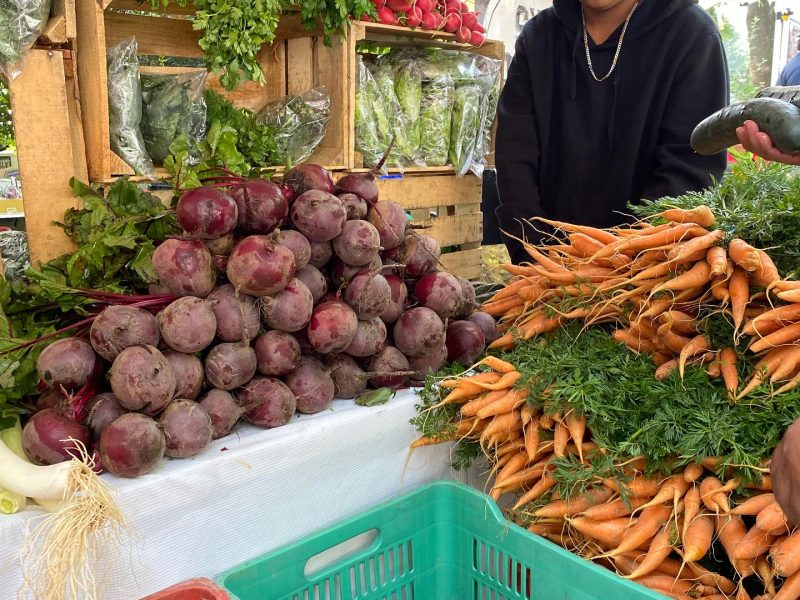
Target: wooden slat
451,231
54,32
155,35
300,65
75,123
93,87
331,74
44,144
273,63
466,263
423,192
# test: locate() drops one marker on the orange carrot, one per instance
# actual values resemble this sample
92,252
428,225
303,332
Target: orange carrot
502,423
790,590
691,508
545,261
576,425
633,341
744,255
698,275
471,408
666,584
754,505
502,306
514,464
653,240
511,289
711,496
788,365
496,364
601,235
666,369
560,438
575,505
701,243
727,363
700,214
692,472
739,289
673,341
719,289
710,578
697,538
765,484
513,399
753,544
614,509
717,258
782,314
789,295
523,270
696,345
766,274
532,435
787,335
650,521
639,486
543,485
772,520
679,321
660,548
672,490
731,531
785,555
609,532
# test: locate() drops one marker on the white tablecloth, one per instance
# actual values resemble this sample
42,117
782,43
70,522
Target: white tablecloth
251,492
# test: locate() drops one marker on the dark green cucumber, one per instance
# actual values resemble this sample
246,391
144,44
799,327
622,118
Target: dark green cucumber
779,119
787,93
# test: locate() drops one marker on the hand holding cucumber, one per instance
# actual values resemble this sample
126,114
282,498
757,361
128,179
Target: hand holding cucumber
759,143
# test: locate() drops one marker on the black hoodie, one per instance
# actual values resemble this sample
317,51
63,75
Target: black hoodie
572,149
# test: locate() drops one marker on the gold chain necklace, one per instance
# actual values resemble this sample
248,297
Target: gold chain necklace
619,45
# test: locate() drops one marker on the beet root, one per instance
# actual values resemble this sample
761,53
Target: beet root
487,324
68,362
230,365
118,327
318,215
273,403
306,177
333,326
290,309
465,342
315,282
277,353
223,411
469,301
358,243
390,360
187,428
348,378
206,213
262,206
142,379
357,208
321,253
104,409
45,437
297,243
421,256
131,445
189,375
398,299
221,246
311,385
260,267
369,339
237,315
441,292
188,325
51,399
426,365
390,220
419,332
361,185
185,267
369,294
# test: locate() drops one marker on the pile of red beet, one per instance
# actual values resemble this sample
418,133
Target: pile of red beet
287,297
452,16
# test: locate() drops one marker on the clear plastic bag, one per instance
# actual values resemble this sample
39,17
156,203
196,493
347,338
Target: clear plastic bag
465,126
394,125
300,122
125,107
14,252
173,105
401,68
21,24
371,123
435,120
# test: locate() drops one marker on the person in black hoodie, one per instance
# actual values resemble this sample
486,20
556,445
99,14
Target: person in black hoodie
584,128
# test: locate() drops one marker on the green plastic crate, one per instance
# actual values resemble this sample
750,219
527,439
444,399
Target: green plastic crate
444,541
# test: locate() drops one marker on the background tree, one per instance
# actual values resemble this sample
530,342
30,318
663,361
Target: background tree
761,18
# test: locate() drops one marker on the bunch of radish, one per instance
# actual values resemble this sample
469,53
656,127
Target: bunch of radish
277,299
452,16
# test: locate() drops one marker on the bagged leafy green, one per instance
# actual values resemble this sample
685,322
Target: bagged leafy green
435,120
125,107
465,126
21,24
174,105
394,125
402,66
483,146
370,121
300,122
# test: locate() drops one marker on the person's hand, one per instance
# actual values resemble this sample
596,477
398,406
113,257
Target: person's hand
760,144
785,470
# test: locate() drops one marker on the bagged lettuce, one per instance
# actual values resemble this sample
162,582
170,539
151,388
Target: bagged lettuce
21,24
466,123
438,96
370,121
300,122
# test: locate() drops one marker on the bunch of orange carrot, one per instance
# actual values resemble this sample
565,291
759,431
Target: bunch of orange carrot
656,282
651,530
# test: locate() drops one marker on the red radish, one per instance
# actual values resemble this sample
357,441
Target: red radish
414,17
333,326
366,18
425,6
390,220
46,437
463,35
290,309
390,360
399,297
315,282
229,366
262,206
260,267
142,379
319,216
189,374
237,315
428,21
103,410
439,19
379,3
480,28
272,402
369,339
469,19
311,385
187,429
358,243
368,293
419,332
188,324
185,267
441,292
402,6
452,5
206,213
465,342
223,411
118,327
277,353
426,365
131,445
477,38
321,253
356,207
387,16
297,243
452,22
68,362
305,177
487,324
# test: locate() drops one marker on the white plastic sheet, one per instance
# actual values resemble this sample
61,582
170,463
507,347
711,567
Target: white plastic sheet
249,493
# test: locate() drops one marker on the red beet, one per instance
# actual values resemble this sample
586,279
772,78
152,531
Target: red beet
321,253
221,246
305,177
369,339
51,399
311,385
390,220
277,353
185,267
290,309
223,411
319,216
369,294
358,243
142,379
390,360
262,206
188,325
426,365
297,243
69,362
189,374
395,256
260,267
398,299
315,281
131,445
333,326
341,272
465,342
206,213
103,410
360,184
118,327
441,292
229,366
468,299
419,332
45,437
271,402
237,315
348,378
421,255
356,207
187,429
487,324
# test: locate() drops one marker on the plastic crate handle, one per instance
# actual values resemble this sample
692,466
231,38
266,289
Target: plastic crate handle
341,552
